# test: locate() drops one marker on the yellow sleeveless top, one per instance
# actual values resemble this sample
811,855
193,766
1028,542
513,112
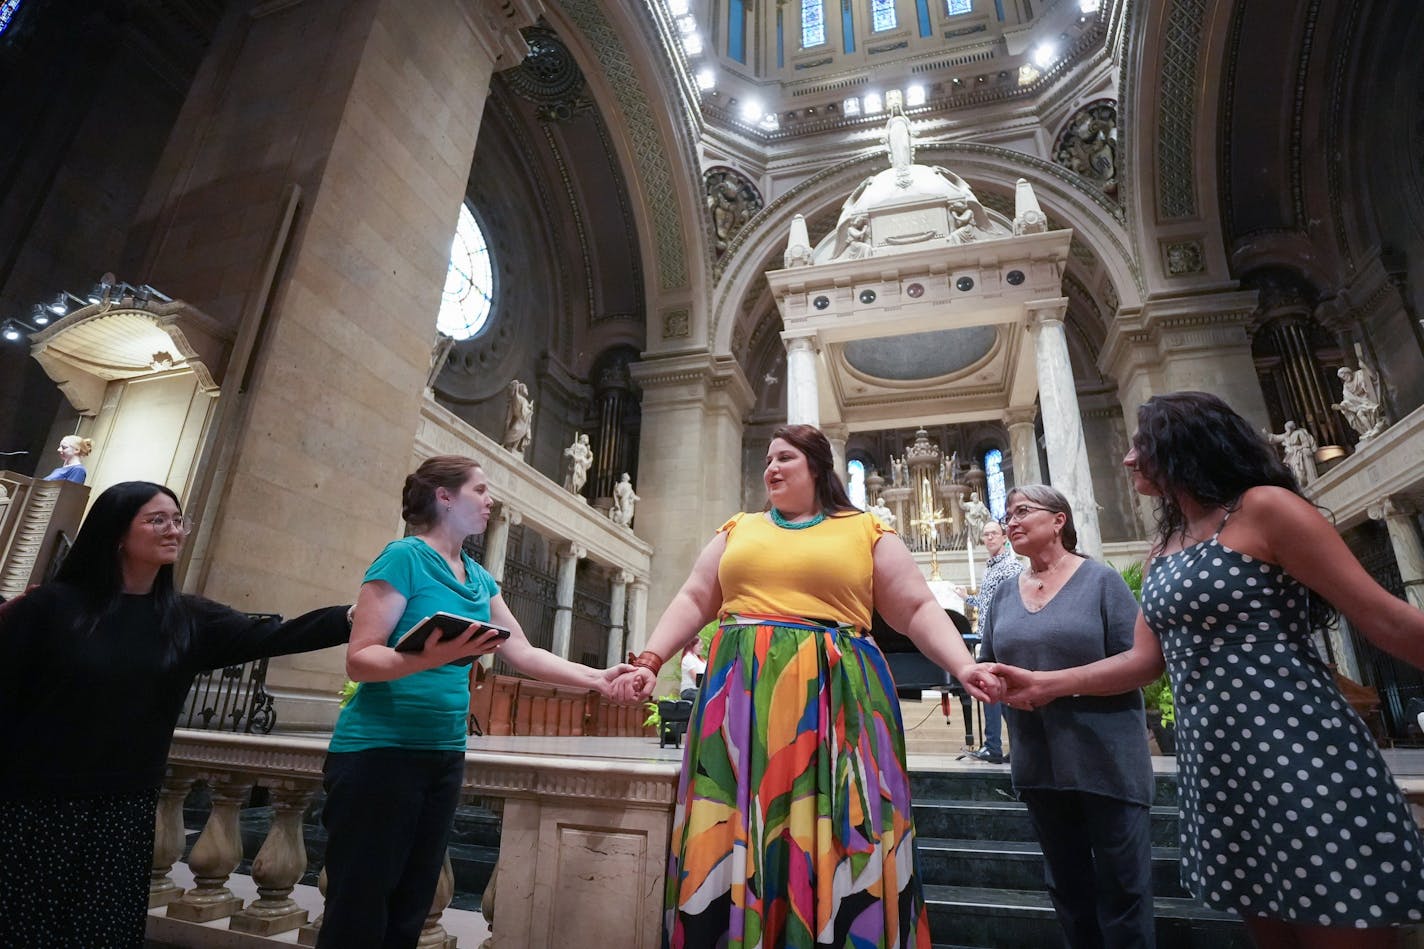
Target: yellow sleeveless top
823,572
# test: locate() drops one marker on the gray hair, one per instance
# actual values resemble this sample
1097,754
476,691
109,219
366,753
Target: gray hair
1050,499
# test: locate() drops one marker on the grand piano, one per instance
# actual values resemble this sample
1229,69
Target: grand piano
914,673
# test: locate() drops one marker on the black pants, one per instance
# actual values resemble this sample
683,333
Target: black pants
387,818
1097,854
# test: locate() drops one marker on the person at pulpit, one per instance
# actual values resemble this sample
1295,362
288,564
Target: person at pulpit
72,451
1290,816
97,668
396,761
793,824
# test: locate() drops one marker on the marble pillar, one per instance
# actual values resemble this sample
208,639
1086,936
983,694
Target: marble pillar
637,615
1398,516
803,401
497,540
569,555
838,435
617,613
1062,421
1023,444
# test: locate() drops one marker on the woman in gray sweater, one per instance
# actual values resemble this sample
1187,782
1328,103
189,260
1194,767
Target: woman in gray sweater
1080,763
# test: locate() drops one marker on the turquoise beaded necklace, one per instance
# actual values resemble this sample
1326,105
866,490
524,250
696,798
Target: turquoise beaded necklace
784,524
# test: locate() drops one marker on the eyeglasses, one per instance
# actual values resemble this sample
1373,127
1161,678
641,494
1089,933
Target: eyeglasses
160,523
1021,512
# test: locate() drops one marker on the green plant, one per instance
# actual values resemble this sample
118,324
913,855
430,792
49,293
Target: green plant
348,692
655,717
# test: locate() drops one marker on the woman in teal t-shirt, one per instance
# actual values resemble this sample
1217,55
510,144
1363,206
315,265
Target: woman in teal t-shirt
397,755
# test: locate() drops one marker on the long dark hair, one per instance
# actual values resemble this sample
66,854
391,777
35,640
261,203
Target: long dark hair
93,565
1055,502
831,495
1193,443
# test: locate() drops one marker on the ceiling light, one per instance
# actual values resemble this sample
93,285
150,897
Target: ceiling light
1089,6
770,122
39,315
851,106
692,44
677,7
706,79
60,306
686,24
1044,54
752,110
915,95
873,103
11,332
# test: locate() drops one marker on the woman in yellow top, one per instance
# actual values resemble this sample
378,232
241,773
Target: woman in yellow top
793,827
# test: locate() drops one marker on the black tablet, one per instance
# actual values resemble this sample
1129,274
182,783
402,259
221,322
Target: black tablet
444,626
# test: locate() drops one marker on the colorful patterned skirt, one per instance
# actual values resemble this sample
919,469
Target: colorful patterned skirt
793,825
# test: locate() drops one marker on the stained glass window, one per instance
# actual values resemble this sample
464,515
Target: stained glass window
856,488
994,478
7,13
956,7
469,284
882,15
813,23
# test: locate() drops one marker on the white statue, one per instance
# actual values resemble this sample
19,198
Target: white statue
962,217
897,472
881,511
1298,446
856,238
1360,403
621,513
899,142
976,515
580,460
517,417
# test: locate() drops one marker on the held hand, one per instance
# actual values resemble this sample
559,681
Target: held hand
980,681
607,680
1025,689
634,686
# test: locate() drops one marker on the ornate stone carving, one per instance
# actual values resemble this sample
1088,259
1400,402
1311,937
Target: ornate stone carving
677,324
1184,257
1176,177
1360,401
732,201
881,511
1088,144
549,77
976,515
624,501
517,418
580,457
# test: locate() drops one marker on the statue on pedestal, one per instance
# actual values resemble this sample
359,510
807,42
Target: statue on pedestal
624,500
1298,448
881,511
517,418
976,515
580,460
897,472
1360,403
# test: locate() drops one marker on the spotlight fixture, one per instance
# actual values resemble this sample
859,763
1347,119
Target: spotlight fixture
12,331
60,306
39,316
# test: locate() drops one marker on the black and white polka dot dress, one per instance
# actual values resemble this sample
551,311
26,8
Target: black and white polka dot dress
1287,808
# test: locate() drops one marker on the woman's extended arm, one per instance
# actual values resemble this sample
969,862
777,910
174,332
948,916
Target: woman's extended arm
368,659
529,659
694,606
222,636
904,599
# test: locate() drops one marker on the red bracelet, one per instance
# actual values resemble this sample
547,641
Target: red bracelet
647,659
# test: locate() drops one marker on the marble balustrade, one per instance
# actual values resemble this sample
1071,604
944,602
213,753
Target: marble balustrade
586,826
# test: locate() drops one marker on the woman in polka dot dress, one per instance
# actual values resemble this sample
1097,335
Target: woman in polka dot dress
1289,815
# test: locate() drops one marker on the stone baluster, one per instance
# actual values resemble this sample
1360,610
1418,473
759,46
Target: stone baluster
306,935
432,934
168,839
216,854
278,866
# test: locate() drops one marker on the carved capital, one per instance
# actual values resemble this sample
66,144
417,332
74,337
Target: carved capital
1386,508
1020,415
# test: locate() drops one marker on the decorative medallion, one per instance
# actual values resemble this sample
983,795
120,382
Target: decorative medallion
914,291
549,77
1184,257
1014,277
1088,144
732,201
965,283
676,324
867,296
821,303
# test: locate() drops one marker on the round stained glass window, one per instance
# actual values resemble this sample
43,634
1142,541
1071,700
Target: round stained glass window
469,285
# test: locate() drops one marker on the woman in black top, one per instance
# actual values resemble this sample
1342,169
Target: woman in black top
96,670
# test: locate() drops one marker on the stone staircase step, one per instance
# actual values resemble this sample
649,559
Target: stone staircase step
989,918
988,782
1007,820
1016,864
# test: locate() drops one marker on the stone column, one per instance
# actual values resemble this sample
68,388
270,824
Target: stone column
569,555
838,435
803,401
617,611
376,146
497,539
1023,444
1398,516
637,615
1062,421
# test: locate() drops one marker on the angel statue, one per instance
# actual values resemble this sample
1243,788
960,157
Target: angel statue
517,418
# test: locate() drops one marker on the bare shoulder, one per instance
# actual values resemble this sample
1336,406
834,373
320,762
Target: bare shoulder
1270,521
